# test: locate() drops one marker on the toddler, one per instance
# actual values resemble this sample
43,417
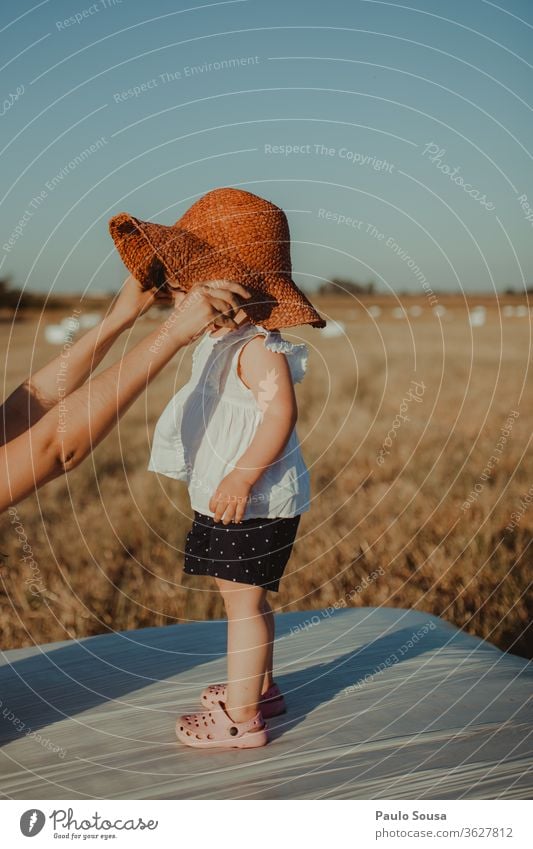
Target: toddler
230,433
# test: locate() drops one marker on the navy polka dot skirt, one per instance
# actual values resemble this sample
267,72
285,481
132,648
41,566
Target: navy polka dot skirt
254,551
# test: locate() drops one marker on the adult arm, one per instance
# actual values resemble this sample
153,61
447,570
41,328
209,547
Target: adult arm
71,368
67,433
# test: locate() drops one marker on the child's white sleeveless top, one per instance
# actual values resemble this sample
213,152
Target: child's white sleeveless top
206,427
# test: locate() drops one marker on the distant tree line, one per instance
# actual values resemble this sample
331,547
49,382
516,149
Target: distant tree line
340,286
16,299
511,291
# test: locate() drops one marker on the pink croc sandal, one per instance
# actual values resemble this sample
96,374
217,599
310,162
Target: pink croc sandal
215,729
271,702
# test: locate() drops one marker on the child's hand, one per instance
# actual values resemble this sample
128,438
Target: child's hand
228,502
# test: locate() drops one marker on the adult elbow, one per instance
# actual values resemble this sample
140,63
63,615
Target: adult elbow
71,456
66,456
68,460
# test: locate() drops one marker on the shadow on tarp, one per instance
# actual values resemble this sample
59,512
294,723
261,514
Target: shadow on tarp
62,682
308,689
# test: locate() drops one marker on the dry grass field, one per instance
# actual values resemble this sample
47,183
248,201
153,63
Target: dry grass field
107,541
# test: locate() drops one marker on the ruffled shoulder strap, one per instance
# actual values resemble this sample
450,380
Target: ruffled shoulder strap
198,349
297,355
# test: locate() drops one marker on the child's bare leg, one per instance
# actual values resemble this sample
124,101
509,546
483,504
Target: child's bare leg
248,647
269,618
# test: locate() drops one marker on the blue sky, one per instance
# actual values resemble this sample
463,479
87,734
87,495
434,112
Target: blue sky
360,119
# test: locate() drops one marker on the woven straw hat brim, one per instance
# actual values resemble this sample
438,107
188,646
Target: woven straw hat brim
155,253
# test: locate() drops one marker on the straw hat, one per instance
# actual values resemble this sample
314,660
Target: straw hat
227,234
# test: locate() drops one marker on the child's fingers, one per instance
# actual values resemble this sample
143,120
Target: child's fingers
239,511
217,504
228,513
219,510
224,508
229,510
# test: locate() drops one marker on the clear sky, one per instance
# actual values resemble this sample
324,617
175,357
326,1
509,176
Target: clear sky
412,121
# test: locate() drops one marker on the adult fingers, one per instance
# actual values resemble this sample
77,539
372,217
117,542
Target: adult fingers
226,307
222,312
233,293
230,286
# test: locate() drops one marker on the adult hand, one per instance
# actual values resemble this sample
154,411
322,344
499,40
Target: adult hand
132,301
215,301
229,501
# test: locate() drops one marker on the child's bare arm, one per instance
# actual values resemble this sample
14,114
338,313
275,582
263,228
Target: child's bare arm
268,375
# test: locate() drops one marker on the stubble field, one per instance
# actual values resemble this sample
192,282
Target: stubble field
403,422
